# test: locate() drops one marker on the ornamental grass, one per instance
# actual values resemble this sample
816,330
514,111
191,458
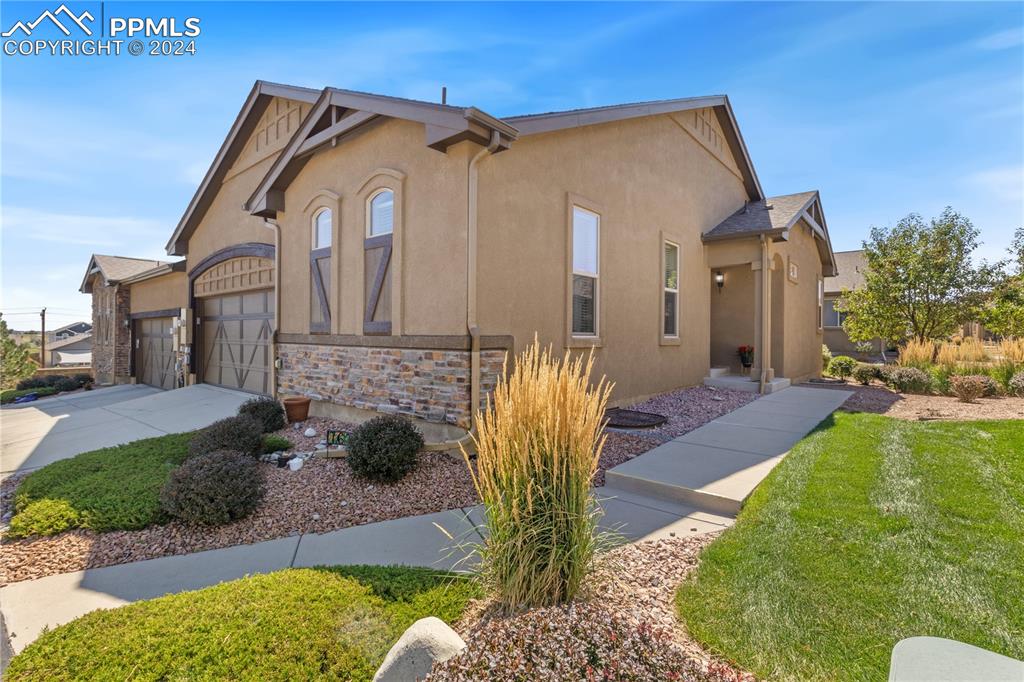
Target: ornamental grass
970,350
538,444
917,354
1011,350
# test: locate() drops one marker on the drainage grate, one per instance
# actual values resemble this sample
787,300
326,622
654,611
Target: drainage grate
632,419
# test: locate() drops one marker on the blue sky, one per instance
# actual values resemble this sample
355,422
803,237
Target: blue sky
885,108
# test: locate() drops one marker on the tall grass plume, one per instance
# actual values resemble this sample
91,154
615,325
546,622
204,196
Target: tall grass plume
538,443
918,354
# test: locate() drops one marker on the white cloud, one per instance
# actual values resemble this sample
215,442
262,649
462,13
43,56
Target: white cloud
1003,182
1001,40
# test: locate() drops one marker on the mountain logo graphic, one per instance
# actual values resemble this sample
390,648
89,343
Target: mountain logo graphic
78,20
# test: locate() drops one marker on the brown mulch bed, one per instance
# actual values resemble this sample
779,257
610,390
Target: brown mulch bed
879,399
627,615
322,496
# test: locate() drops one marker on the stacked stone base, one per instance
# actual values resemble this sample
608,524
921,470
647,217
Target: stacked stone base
433,385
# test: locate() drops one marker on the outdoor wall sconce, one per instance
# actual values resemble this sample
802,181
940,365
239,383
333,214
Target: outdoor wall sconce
719,280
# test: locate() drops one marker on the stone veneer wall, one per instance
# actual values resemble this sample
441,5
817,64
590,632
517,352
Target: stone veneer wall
429,384
111,339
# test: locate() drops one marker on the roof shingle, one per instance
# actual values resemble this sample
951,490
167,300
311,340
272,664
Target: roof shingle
758,217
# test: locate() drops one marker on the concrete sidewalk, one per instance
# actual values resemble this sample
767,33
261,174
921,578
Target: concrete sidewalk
29,606
38,433
717,466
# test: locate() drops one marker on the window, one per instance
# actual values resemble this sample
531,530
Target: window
821,301
320,273
671,285
832,317
382,213
586,228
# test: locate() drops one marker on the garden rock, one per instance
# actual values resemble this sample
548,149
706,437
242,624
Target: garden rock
427,641
309,433
295,464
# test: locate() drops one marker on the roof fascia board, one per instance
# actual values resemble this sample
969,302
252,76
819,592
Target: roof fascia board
344,125
160,270
777,233
727,121
90,270
255,104
544,123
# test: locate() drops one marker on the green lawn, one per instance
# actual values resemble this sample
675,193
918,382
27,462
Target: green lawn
108,489
296,624
872,529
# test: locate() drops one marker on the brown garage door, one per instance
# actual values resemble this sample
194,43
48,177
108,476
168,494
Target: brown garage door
235,331
154,352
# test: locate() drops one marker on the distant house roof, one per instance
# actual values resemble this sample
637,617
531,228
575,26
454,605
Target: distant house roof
776,216
71,340
851,266
76,327
114,269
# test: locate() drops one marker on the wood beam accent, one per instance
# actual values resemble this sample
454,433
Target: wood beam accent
344,125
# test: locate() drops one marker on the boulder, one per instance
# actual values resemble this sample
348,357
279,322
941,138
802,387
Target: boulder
427,641
309,433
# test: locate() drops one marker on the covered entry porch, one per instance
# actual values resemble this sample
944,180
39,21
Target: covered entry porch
765,265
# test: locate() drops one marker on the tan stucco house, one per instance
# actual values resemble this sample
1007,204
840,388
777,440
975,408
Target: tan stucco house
385,254
140,316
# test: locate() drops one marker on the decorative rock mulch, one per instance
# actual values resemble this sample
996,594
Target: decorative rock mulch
626,622
688,409
322,496
880,399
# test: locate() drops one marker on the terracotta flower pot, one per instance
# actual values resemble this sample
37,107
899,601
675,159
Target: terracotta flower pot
297,409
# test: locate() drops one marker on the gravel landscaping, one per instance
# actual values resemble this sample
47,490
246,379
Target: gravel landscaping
624,628
882,400
321,496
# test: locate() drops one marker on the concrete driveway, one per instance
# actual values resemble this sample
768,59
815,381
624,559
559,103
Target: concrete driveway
44,431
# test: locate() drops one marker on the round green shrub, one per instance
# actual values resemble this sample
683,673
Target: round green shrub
32,382
66,384
968,388
213,488
384,448
863,373
241,434
266,411
841,366
1016,384
44,517
275,443
826,356
910,380
83,379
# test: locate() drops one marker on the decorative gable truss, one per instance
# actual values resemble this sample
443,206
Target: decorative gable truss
338,114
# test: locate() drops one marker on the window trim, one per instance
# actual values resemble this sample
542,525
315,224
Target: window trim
670,339
317,254
821,304
574,340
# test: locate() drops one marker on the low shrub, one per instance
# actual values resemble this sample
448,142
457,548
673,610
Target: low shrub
32,382
10,396
941,375
66,384
83,379
826,357
1016,384
275,443
910,380
44,517
863,373
213,488
116,488
384,448
991,386
266,411
1003,370
241,434
841,366
967,388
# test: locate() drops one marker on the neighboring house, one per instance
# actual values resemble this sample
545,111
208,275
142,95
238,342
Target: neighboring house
852,266
385,254
135,303
73,350
67,331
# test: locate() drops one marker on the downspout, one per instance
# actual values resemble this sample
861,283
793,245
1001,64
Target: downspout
273,225
766,300
471,295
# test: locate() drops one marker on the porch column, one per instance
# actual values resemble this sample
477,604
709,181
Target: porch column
762,323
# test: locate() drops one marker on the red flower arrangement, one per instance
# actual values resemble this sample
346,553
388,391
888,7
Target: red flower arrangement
746,354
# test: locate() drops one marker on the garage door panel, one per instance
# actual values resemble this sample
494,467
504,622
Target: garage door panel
154,353
236,334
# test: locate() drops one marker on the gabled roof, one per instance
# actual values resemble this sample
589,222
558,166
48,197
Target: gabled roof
776,216
115,269
851,266
255,105
340,113
77,338
158,271
67,327
533,124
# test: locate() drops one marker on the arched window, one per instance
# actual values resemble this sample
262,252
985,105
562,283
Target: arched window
382,213
320,272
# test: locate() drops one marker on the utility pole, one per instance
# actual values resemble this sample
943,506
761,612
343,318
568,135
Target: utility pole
42,339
